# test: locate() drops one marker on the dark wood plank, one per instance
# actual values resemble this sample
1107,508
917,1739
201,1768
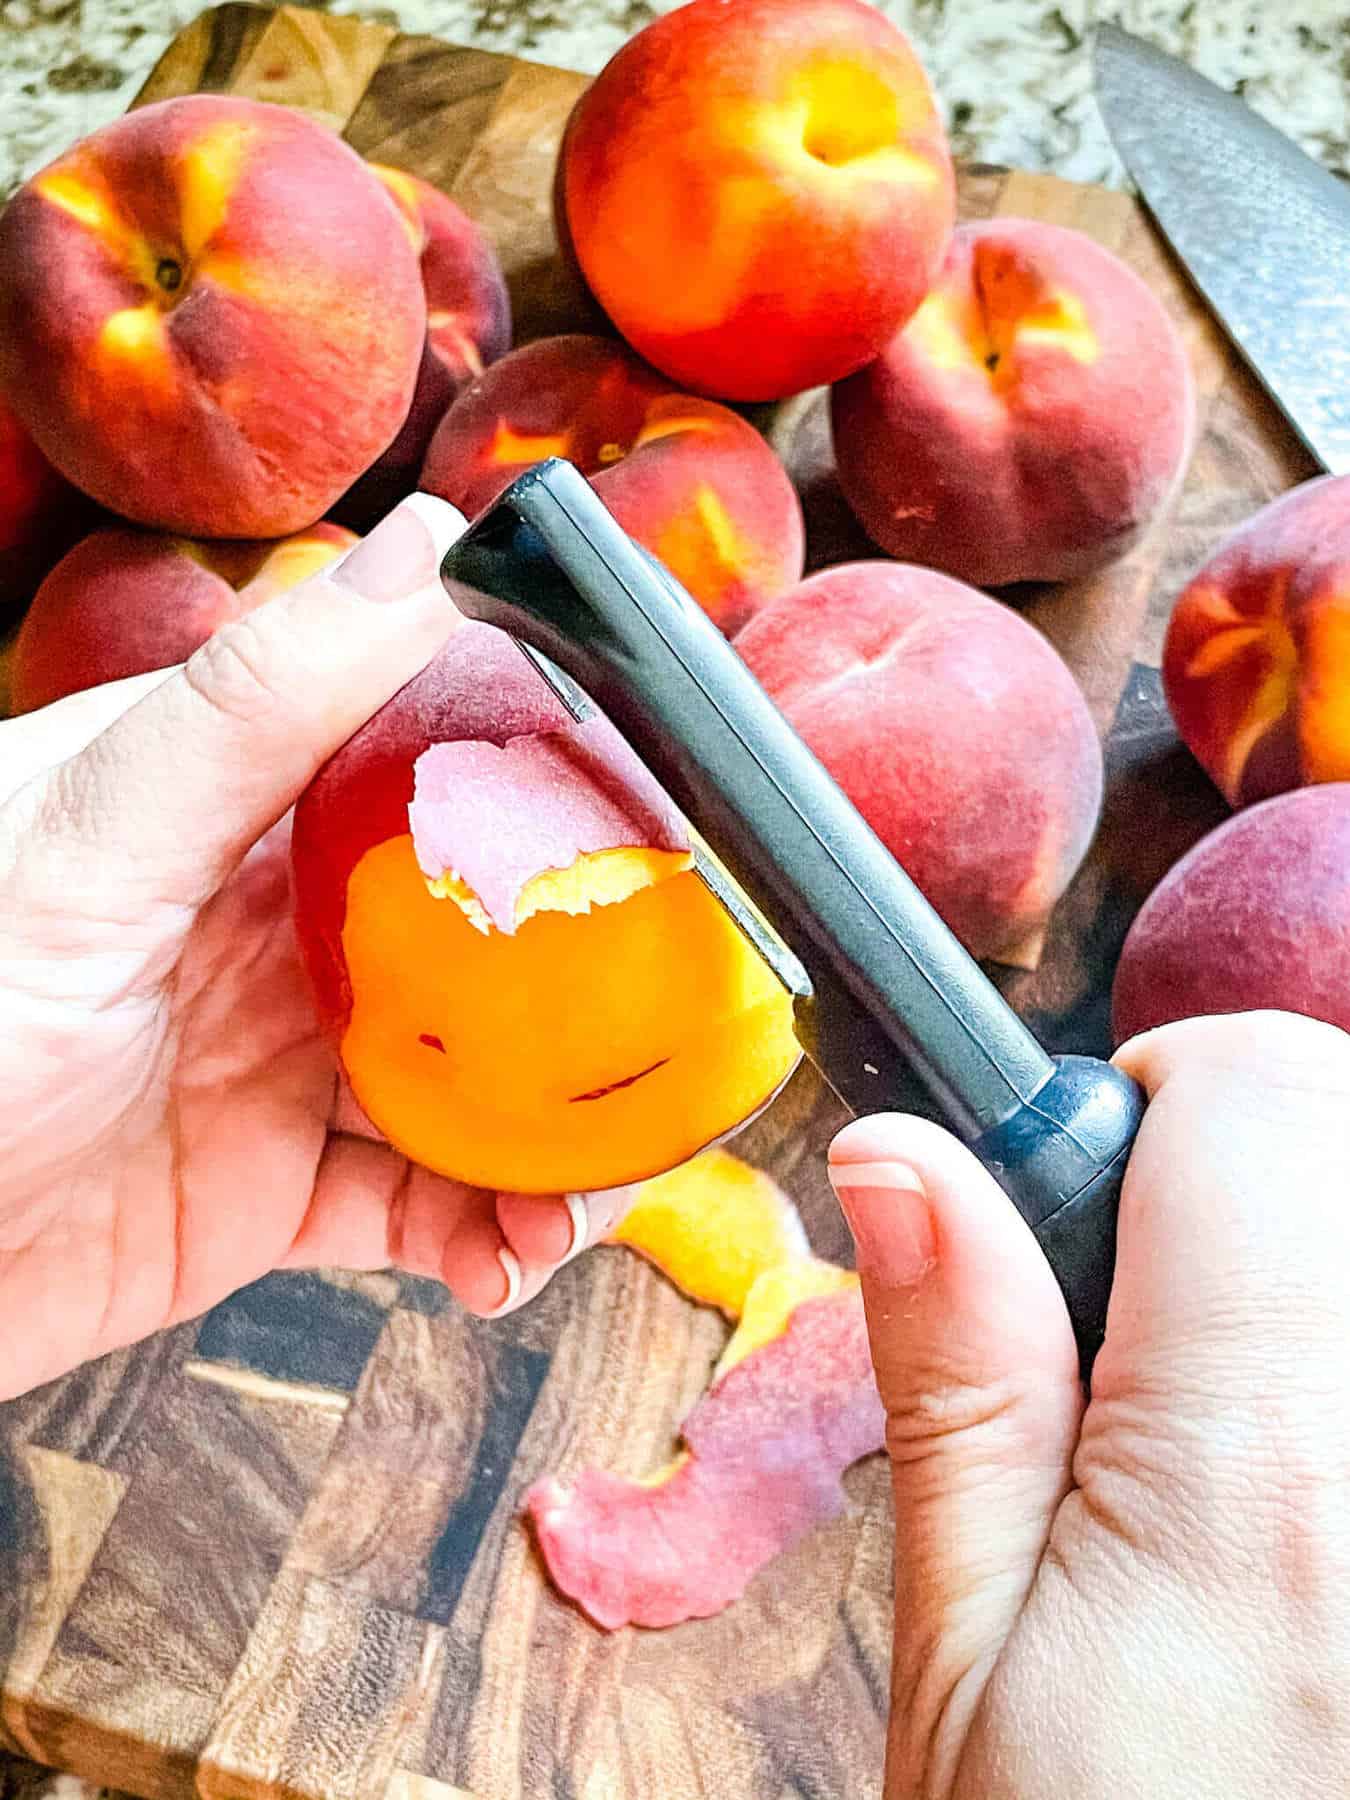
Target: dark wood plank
217,1477
427,106
205,55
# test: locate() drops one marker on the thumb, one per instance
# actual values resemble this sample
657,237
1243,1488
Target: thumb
167,801
977,1370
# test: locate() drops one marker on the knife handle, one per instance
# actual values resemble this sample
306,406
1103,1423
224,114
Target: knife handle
891,987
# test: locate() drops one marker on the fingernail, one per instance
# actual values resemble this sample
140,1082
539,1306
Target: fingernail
511,1271
403,553
889,1216
581,1224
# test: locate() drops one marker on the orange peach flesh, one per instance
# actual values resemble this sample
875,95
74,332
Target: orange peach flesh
579,1052
714,1226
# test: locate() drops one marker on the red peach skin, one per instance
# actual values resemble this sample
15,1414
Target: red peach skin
1256,665
1256,916
1030,419
758,195
688,478
468,327
211,316
124,602
955,729
765,1450
40,513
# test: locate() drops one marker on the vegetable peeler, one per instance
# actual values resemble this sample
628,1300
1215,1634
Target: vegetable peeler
880,984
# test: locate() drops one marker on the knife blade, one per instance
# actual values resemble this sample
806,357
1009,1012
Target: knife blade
1262,229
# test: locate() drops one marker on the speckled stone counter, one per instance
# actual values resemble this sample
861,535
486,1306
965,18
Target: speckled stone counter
1014,78
1014,75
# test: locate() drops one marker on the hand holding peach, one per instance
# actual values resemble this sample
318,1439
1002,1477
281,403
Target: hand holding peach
173,1121
529,985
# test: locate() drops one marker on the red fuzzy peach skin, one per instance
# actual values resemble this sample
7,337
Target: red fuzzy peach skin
468,327
211,316
39,512
1256,916
124,602
1256,666
764,1452
758,195
688,478
955,729
1030,419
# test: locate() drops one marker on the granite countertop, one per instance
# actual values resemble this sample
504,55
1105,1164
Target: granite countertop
1014,77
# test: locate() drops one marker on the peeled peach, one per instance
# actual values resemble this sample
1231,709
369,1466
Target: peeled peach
1255,917
124,602
758,194
211,316
1256,665
468,327
39,512
955,729
530,986
689,479
1029,420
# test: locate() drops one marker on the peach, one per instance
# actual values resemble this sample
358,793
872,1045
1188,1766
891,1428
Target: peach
529,984
1029,420
124,602
954,728
468,327
1255,916
758,194
1256,664
688,478
211,316
40,513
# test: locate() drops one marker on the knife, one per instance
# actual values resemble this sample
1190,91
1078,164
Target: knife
1262,229
879,983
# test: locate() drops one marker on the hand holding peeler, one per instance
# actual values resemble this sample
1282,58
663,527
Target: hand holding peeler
880,984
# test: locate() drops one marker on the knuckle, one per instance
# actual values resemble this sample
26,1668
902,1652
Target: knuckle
934,1409
244,670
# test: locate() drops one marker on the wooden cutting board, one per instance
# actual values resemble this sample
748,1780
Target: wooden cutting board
277,1553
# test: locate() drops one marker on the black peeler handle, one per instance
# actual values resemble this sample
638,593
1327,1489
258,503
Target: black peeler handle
890,987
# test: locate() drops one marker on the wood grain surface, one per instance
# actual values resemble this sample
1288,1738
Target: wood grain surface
276,1554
